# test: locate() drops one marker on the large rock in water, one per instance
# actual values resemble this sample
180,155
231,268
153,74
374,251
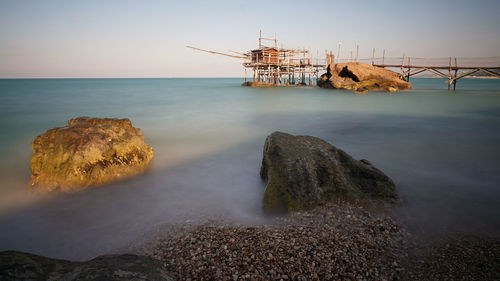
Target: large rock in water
361,77
89,151
305,171
23,266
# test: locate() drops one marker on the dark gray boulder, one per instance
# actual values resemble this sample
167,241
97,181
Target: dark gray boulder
304,171
24,266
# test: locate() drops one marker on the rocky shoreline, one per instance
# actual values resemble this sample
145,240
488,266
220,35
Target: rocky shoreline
336,224
337,241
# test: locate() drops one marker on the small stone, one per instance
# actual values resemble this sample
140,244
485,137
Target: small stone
391,89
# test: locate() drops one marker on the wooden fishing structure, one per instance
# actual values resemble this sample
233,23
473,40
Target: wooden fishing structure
276,66
272,65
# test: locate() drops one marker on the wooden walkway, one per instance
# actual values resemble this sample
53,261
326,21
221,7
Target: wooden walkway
452,72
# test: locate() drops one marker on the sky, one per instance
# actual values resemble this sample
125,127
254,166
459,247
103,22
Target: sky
122,38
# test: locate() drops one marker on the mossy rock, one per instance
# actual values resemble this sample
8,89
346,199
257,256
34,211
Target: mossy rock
88,152
17,266
303,171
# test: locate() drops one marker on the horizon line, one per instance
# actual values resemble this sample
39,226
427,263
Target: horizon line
190,77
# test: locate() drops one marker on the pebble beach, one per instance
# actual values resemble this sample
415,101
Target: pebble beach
338,241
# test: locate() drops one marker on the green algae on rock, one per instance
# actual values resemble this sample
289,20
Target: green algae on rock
87,152
304,171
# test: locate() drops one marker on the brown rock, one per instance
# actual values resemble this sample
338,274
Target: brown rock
338,82
391,89
354,76
89,151
360,91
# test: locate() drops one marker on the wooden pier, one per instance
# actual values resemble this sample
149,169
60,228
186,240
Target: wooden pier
450,71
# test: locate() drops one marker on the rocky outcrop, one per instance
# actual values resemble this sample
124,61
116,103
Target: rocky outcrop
86,152
16,266
361,77
304,171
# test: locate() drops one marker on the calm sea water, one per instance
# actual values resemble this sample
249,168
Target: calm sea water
441,148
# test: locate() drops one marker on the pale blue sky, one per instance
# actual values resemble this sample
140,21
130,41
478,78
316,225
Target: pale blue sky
148,38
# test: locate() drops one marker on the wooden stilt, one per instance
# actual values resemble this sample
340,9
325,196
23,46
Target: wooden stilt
408,75
338,52
449,76
403,63
260,39
455,76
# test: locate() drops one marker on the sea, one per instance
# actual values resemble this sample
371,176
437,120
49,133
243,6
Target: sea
441,148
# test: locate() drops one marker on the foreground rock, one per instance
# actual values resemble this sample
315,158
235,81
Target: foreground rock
338,241
88,151
23,266
361,77
304,171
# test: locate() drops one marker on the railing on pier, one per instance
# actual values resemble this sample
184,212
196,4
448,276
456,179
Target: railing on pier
449,68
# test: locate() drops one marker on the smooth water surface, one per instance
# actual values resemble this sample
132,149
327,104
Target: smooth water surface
441,148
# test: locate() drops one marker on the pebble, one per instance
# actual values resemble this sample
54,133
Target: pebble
300,246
